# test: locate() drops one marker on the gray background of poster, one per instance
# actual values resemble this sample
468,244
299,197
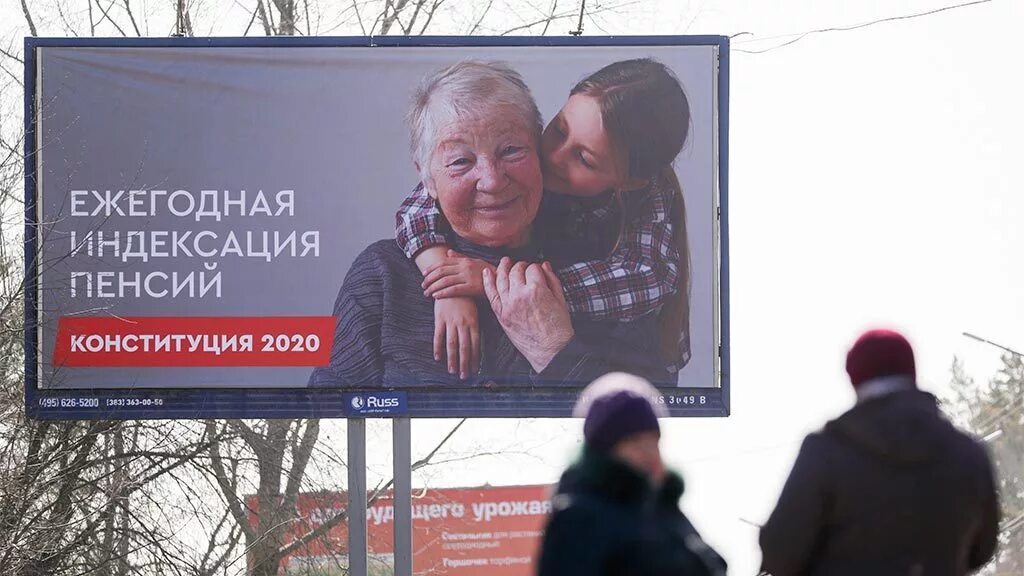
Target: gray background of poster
326,122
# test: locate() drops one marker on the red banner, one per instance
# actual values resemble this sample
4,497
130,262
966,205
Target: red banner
456,531
194,341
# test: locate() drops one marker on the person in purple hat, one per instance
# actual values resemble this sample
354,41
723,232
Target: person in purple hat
888,488
616,511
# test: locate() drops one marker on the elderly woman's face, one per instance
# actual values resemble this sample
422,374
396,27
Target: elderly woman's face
485,173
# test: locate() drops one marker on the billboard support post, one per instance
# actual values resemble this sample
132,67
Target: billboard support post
402,450
357,497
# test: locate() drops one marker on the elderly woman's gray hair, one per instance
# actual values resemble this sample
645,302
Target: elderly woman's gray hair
466,89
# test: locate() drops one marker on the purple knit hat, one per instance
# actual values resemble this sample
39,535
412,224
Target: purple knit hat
617,406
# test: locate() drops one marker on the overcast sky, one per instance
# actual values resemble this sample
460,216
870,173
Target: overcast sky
875,179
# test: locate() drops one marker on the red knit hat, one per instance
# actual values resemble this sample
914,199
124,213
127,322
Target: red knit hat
879,353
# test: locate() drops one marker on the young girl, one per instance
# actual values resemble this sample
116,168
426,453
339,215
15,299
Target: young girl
607,160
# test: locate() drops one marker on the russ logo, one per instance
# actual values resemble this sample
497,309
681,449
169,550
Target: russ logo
369,403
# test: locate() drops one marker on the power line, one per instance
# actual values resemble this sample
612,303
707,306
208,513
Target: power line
1012,525
801,35
991,343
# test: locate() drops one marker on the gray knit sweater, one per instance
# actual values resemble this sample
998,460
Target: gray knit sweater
385,332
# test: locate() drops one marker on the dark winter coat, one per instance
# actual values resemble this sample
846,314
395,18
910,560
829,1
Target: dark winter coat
889,488
608,520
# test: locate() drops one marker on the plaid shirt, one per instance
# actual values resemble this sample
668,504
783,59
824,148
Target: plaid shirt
419,223
635,279
640,273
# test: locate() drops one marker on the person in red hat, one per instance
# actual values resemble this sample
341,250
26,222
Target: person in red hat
888,488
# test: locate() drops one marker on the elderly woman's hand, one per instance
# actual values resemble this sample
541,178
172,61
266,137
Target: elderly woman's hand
528,302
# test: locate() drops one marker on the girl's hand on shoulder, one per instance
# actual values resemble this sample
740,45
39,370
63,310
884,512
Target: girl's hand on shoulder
457,335
455,276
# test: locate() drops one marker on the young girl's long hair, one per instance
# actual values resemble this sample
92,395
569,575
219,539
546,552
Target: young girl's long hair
647,116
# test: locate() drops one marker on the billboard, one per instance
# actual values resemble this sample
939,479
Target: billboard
487,531
340,227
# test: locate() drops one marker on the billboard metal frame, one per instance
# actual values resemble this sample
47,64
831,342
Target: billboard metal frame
188,403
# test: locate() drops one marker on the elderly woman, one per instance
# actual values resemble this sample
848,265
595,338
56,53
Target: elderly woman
475,137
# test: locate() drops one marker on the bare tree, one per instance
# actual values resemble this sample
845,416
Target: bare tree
995,411
280,450
105,497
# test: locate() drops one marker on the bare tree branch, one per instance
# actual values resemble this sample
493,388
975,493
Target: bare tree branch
551,15
359,18
546,21
430,15
264,18
390,18
567,15
12,56
13,76
286,11
251,20
131,17
179,18
301,451
480,20
597,24
228,488
407,28
340,517
426,460
256,441
28,18
92,21
106,16
234,534
64,19
270,15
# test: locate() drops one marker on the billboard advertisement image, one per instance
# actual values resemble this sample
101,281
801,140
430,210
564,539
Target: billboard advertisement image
334,227
487,531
